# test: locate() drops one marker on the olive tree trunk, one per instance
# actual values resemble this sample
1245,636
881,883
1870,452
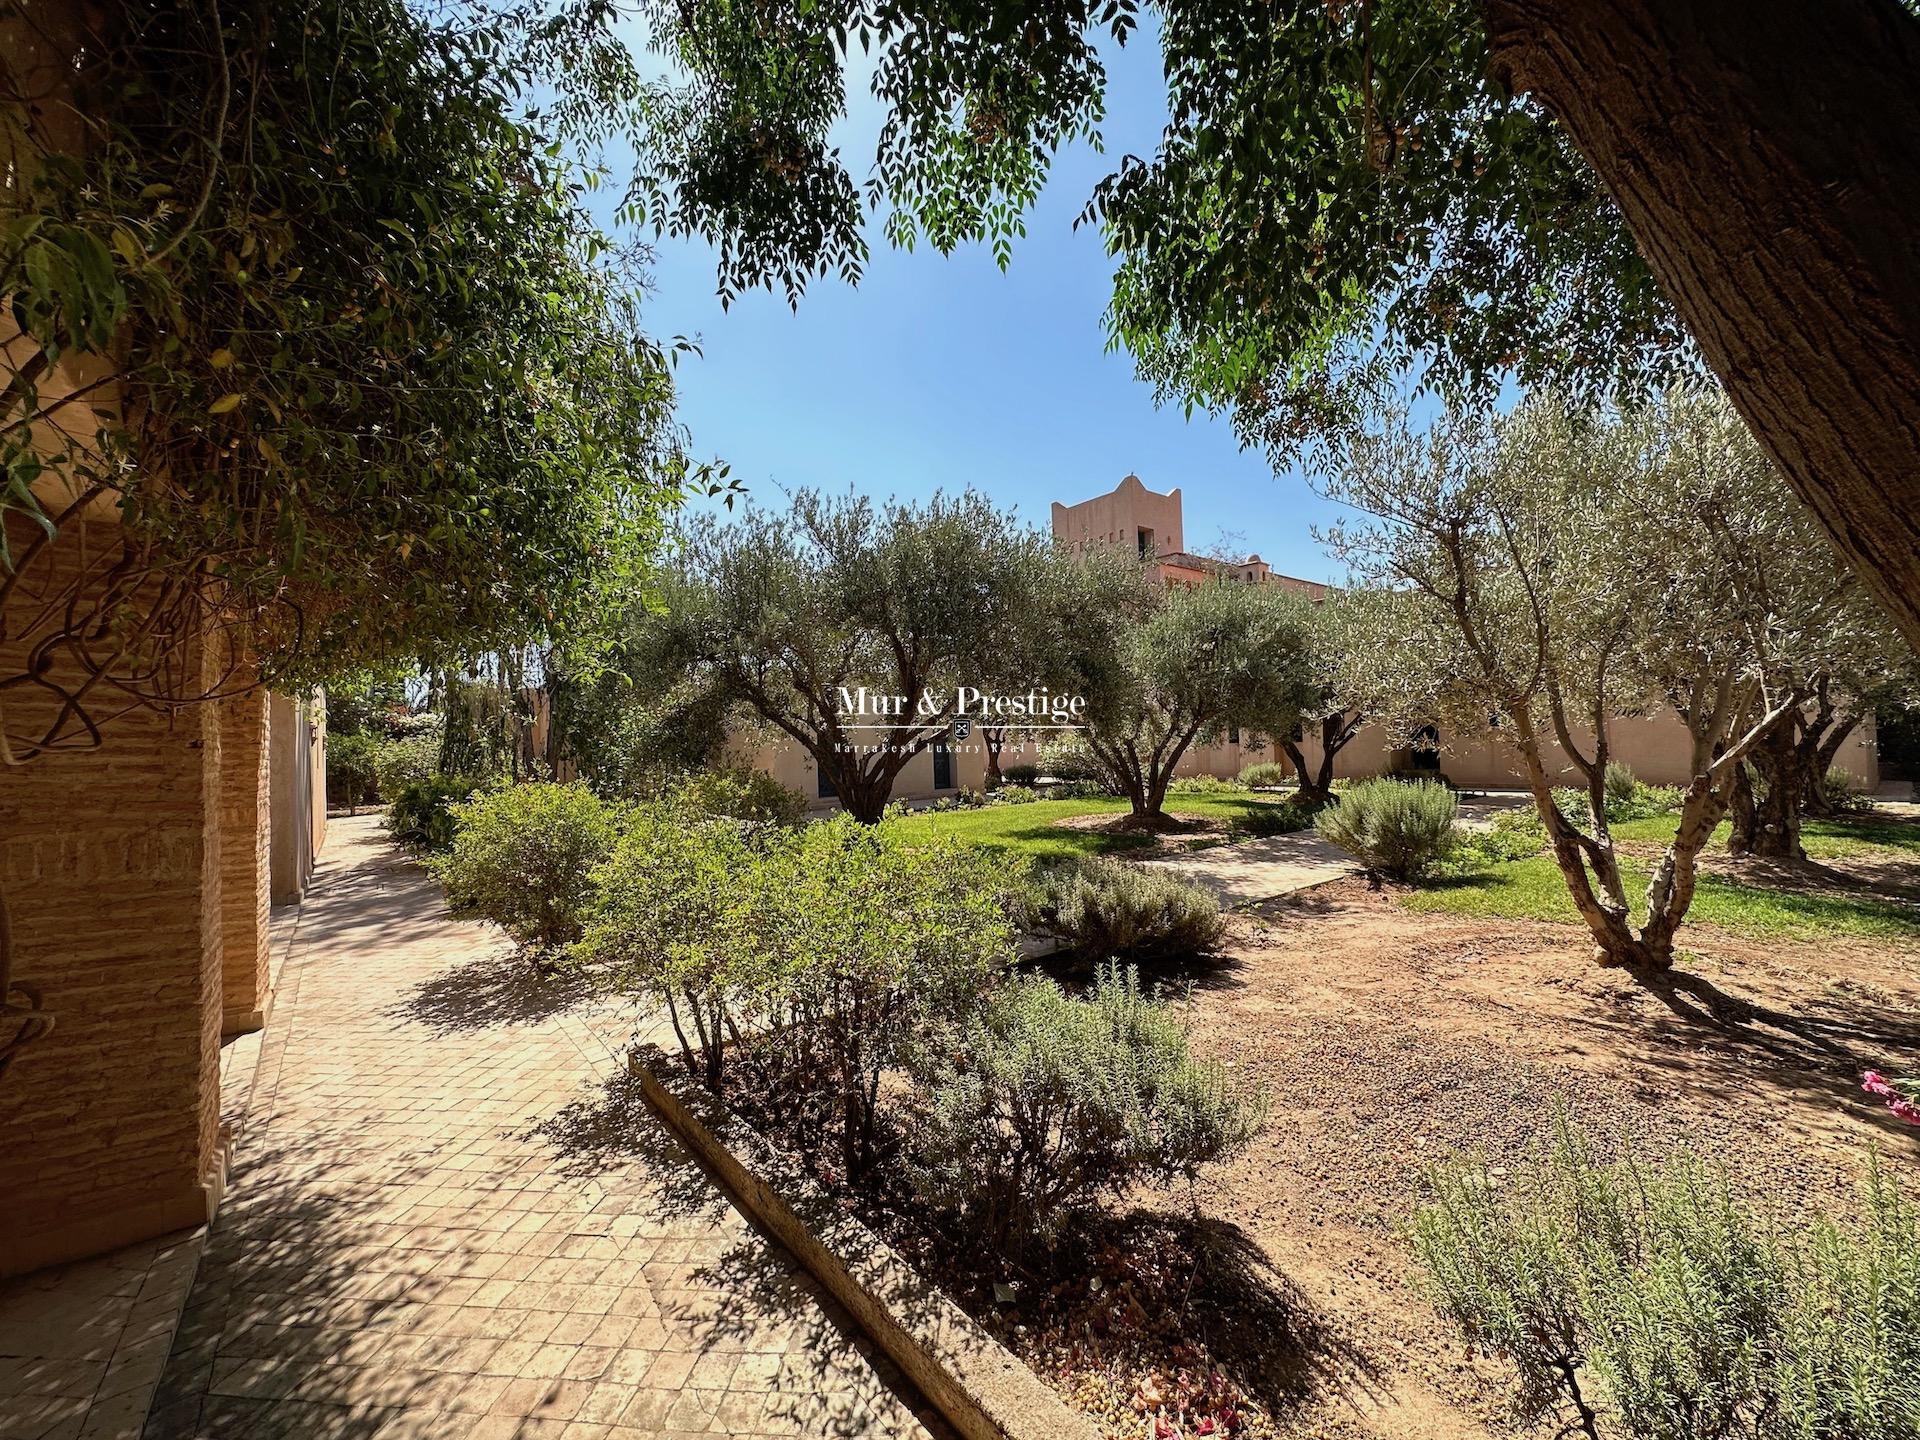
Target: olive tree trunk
1316,785
1820,765
1766,157
1766,820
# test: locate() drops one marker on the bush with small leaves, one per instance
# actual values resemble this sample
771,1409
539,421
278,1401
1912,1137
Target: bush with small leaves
1199,785
670,921
1071,758
1014,795
1259,822
1022,774
353,770
1845,792
1111,909
1080,790
1041,1103
866,938
1266,775
421,817
1634,802
1619,783
744,795
523,857
404,761
1654,1303
1399,829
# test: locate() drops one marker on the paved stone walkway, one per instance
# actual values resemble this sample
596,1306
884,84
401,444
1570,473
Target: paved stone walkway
1256,870
445,1219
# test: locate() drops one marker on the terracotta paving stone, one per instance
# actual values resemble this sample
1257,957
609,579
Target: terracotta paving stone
449,1216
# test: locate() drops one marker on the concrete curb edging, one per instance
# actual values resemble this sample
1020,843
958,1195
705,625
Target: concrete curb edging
975,1383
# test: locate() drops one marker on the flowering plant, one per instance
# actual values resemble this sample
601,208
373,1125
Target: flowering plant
1899,1094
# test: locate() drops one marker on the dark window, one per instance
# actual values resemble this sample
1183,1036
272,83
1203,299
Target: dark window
826,792
1146,542
942,768
1233,735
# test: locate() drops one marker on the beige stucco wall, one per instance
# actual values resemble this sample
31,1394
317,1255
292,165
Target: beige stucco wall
1655,747
298,767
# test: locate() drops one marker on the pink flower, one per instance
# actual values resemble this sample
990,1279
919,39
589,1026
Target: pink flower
1874,1083
1906,1110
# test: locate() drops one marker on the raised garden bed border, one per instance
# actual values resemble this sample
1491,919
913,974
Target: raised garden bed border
981,1389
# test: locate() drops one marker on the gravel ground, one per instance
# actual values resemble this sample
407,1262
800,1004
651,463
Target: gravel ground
1393,1040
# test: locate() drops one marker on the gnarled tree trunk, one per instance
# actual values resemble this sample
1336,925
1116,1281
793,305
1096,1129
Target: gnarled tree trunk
1766,157
1772,816
1316,784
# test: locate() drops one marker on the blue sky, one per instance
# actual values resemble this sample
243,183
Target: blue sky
942,373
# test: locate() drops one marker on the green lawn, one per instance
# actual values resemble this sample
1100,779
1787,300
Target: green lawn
1533,890
1032,829
1824,839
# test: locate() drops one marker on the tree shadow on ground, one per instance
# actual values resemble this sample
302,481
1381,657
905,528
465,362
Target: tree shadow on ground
1267,1330
765,1296
1075,970
502,988
615,1127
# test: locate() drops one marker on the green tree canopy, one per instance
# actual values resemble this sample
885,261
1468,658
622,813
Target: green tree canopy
330,329
1349,193
782,613
1166,666
1341,192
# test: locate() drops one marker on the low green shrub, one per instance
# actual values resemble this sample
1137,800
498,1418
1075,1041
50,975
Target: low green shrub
1070,758
818,957
1021,774
1845,792
1261,821
742,794
1080,790
421,816
1624,802
1512,835
353,770
1657,1303
406,760
1413,775
1199,785
865,938
523,857
1266,775
959,800
1040,1103
670,921
1399,829
1618,782
1111,909
1014,795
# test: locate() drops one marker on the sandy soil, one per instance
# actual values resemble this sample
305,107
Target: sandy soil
1392,1040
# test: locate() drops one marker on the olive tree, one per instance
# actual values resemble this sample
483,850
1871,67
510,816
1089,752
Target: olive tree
1350,687
790,617
1785,775
1165,667
1567,569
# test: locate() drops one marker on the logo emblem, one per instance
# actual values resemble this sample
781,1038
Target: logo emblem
962,728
